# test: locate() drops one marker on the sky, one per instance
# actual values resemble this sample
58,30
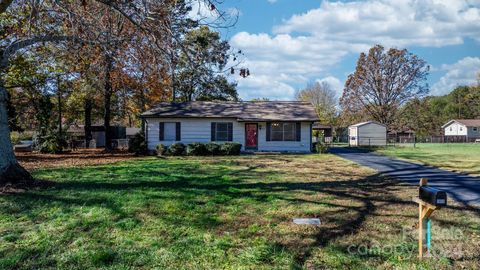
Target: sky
288,44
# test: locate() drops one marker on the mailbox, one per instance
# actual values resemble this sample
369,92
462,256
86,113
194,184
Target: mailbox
433,196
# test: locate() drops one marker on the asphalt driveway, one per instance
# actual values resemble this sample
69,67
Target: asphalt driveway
462,188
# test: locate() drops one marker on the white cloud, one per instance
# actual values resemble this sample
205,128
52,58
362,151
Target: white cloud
392,23
272,1
463,72
305,46
335,83
258,86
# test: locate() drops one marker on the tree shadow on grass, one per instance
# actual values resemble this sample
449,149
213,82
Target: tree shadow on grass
366,195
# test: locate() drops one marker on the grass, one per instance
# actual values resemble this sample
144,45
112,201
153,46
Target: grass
456,157
226,213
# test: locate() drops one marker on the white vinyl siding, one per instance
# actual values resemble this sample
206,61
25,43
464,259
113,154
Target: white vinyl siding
199,130
456,129
288,146
192,130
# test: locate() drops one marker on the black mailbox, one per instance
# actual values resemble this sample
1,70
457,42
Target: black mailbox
433,196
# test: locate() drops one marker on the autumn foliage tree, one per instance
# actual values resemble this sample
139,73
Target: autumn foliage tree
103,28
383,81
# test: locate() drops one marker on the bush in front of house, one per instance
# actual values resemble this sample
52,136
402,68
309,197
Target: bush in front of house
196,149
213,148
230,148
176,149
137,144
161,149
321,148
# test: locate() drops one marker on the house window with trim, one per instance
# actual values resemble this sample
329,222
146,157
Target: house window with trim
169,131
475,129
222,132
283,131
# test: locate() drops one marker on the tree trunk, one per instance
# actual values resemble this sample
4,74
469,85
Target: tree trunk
88,121
10,171
59,100
107,101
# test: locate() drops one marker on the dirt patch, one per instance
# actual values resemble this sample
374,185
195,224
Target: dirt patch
84,157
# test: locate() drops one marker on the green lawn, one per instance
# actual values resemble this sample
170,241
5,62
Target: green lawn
454,157
226,213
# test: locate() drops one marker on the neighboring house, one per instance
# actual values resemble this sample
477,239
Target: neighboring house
466,128
258,126
77,132
131,132
367,134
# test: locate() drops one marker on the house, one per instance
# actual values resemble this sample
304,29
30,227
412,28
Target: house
77,133
258,126
131,132
462,129
367,134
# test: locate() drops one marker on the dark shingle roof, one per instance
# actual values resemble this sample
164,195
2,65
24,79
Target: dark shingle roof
242,111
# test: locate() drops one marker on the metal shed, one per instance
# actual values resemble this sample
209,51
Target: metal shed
367,134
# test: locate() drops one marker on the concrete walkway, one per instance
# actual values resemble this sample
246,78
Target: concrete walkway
462,188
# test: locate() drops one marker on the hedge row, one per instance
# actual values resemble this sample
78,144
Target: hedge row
200,149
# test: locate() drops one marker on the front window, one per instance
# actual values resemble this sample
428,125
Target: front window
283,131
170,132
221,133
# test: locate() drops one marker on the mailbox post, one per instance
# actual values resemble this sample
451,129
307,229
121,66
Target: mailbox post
429,200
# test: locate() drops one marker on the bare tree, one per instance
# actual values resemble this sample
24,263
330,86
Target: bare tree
382,82
323,98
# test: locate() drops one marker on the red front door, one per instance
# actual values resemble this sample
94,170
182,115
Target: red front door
251,136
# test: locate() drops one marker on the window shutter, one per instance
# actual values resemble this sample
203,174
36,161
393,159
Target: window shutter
178,135
230,132
269,127
298,131
162,131
214,125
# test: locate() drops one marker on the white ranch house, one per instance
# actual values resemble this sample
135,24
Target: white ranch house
367,134
467,128
258,126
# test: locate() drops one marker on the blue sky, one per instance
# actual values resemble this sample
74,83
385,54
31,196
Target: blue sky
290,43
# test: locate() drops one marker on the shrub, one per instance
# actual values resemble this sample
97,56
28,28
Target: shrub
137,144
213,149
321,148
176,149
15,137
196,149
161,149
230,149
52,144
